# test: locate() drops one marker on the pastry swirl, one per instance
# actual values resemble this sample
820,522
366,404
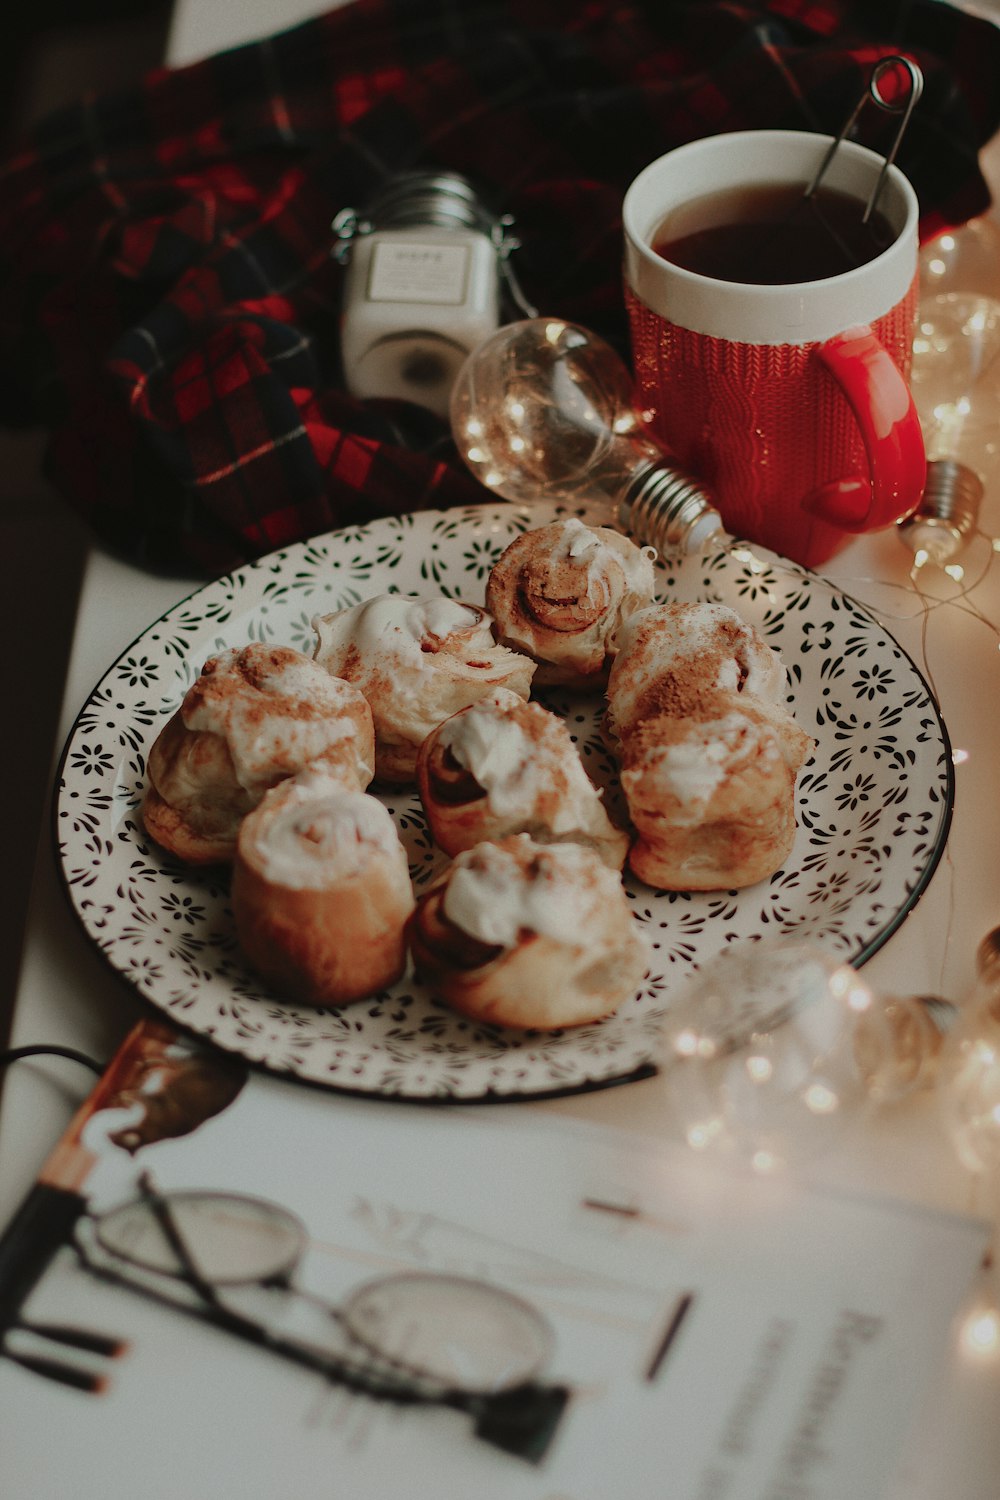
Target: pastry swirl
672,655
417,661
505,766
562,592
522,934
708,750
321,891
254,716
712,795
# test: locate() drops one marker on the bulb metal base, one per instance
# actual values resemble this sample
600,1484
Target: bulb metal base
666,509
948,510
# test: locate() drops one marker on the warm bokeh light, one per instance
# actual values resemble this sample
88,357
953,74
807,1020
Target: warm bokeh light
979,1336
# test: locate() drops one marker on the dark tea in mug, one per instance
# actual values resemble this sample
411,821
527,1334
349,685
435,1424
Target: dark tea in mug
771,234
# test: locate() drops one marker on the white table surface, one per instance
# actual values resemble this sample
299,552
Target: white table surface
66,995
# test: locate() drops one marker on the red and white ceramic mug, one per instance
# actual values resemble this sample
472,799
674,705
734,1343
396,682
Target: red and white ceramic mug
789,401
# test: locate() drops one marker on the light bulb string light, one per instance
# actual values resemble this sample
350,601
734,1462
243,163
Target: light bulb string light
969,1087
963,603
664,508
960,600
984,369
929,604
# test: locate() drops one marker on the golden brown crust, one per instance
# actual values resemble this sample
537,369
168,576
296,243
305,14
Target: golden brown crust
251,718
321,892
417,661
323,948
171,831
539,980
561,592
539,786
709,753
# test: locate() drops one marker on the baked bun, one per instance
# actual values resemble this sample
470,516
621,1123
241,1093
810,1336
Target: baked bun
417,661
254,716
505,766
560,593
712,795
708,750
321,891
522,934
671,655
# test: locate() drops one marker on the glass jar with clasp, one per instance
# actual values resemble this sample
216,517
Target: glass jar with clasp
427,271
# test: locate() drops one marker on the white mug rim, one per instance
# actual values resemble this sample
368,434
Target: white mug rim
793,313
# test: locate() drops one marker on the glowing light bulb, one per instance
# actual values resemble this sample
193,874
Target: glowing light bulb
979,1336
774,1046
969,1080
544,410
956,387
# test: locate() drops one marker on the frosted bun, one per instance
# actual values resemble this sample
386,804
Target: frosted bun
672,655
504,766
562,592
251,718
521,934
321,891
417,661
708,749
712,795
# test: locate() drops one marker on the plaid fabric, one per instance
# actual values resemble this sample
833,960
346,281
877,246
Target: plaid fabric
168,304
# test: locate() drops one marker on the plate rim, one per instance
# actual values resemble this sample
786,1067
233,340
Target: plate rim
490,1096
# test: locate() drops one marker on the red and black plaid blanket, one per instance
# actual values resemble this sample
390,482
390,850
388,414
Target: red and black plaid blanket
168,305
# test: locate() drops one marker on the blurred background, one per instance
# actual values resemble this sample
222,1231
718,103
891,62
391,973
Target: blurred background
54,51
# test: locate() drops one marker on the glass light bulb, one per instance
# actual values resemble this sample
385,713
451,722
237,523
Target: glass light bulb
775,1046
956,387
544,410
969,1079
898,1044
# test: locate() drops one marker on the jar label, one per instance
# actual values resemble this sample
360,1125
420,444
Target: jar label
408,271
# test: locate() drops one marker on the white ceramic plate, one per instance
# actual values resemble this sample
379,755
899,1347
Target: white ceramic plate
874,806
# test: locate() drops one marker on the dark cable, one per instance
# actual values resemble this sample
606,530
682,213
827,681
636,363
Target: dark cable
15,1054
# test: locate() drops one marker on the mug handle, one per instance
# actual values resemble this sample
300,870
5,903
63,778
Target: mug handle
890,429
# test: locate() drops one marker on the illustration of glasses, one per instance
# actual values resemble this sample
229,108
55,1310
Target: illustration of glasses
411,1337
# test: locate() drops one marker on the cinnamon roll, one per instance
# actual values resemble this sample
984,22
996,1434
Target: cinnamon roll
711,794
672,655
523,934
561,593
708,749
254,716
505,766
417,661
321,891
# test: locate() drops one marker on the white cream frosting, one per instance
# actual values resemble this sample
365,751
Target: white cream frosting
312,832
713,639
692,769
495,749
602,549
297,711
396,622
512,768
489,896
416,660
750,665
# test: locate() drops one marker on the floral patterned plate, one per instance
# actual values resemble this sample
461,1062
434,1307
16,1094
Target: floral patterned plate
874,804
